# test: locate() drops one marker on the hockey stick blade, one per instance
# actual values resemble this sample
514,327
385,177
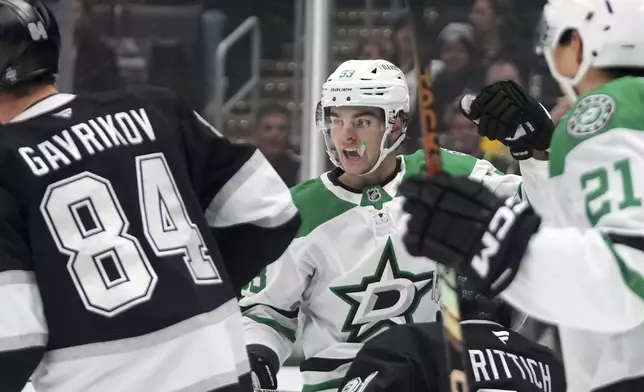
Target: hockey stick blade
450,304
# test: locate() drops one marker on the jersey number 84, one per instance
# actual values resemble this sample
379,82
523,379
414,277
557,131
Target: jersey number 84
87,223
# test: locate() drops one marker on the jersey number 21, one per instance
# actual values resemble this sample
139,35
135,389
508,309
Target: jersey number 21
87,223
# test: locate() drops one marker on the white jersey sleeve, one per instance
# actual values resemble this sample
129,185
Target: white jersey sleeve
585,267
271,301
504,185
460,164
534,174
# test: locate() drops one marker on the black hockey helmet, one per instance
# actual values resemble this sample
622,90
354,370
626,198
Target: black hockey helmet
476,306
29,42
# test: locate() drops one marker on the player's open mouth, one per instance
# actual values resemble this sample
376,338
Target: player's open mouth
353,154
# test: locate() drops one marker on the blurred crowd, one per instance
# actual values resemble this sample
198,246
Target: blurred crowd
473,43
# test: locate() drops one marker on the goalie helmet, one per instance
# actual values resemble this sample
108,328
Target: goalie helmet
373,83
609,30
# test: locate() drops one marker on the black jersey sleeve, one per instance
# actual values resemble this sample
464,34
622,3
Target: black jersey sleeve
247,205
23,330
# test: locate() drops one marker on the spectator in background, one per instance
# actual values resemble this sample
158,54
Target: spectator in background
95,65
495,24
372,48
503,70
404,55
404,58
458,72
403,43
271,134
461,133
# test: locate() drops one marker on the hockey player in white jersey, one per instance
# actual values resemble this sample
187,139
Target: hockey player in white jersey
347,270
582,268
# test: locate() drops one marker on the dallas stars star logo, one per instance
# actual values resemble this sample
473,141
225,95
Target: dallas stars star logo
388,297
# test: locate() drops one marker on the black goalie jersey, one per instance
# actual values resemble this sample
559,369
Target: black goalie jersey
116,211
411,358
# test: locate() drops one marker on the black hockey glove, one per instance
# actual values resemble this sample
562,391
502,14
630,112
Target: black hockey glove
264,365
459,223
505,112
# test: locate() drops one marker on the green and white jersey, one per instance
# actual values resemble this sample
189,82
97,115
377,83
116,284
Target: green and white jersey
348,271
584,268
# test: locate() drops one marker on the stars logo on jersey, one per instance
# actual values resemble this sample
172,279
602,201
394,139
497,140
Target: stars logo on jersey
590,115
389,296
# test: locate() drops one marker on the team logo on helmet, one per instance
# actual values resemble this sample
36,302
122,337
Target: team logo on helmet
11,74
591,115
37,31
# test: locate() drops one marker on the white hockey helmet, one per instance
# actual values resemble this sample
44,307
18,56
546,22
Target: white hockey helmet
372,83
609,29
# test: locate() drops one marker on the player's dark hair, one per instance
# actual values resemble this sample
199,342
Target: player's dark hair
566,37
615,73
612,72
24,89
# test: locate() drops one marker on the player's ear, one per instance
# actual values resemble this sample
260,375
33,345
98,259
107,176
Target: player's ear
396,130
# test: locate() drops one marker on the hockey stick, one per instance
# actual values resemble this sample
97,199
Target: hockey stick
450,304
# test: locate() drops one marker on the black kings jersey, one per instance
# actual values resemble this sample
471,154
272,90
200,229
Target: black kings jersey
411,358
112,205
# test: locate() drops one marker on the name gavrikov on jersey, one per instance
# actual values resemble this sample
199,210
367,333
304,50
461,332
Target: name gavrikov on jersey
87,138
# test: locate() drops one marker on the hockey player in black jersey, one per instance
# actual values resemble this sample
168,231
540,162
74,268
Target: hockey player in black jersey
411,357
127,226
